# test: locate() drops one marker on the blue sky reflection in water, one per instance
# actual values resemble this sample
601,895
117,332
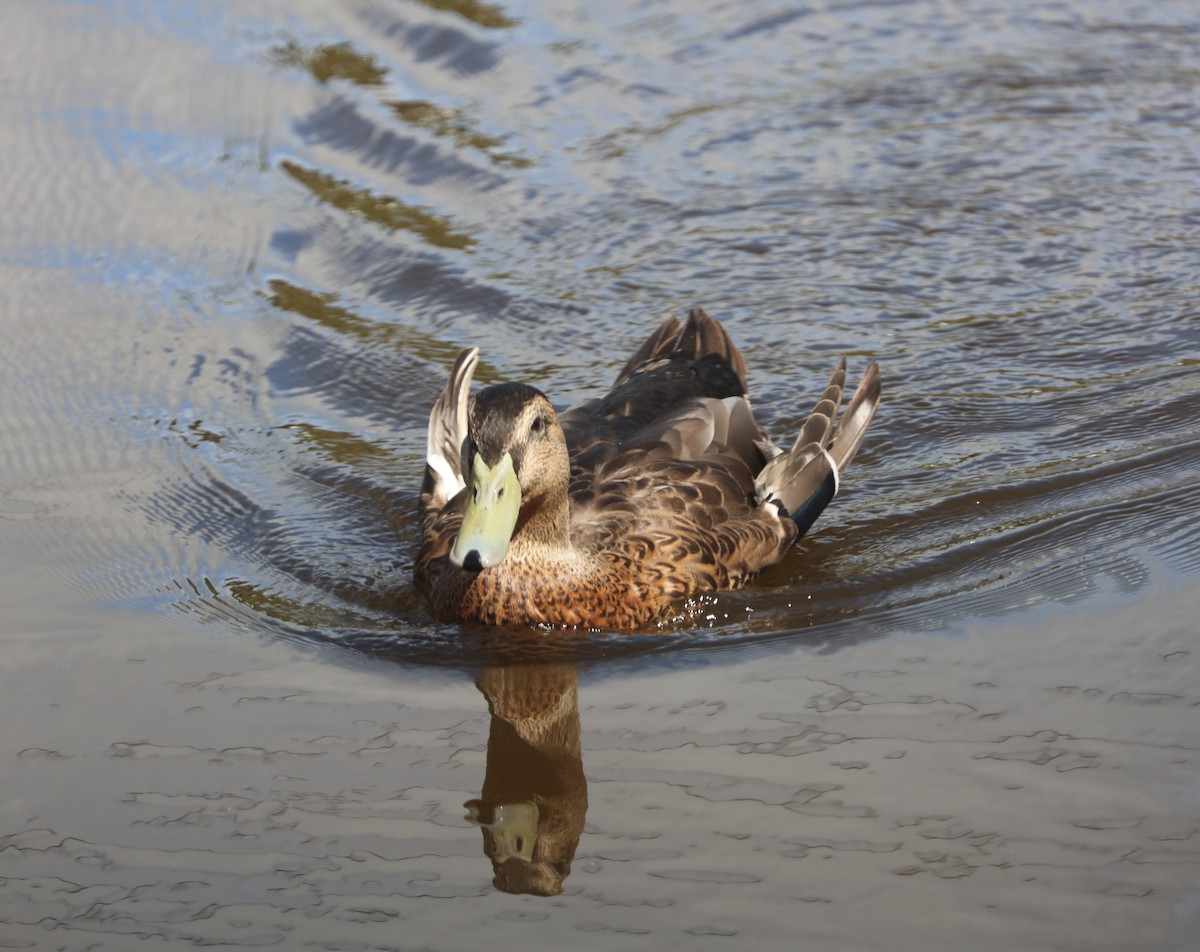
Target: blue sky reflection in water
240,250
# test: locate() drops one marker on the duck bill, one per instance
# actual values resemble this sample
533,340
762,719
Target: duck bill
490,517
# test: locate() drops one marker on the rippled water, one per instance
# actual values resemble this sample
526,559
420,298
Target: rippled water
241,246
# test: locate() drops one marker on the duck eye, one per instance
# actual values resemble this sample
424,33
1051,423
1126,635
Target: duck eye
538,426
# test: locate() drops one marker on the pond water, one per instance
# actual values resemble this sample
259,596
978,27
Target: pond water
243,241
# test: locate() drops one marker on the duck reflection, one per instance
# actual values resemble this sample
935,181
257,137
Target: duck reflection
534,797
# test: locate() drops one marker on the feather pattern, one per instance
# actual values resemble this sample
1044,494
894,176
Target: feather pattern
447,431
664,487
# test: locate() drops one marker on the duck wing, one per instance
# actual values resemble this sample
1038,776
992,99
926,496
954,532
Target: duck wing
671,466
805,479
447,431
663,465
673,390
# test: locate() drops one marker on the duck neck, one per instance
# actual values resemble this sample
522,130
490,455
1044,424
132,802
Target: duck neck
544,526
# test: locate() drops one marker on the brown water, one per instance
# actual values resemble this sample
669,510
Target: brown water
239,249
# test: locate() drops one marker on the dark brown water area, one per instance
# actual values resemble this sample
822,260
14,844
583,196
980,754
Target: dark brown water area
243,241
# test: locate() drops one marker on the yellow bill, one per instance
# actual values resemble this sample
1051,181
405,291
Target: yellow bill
515,831
490,516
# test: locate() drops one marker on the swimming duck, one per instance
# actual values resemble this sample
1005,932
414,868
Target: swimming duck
607,514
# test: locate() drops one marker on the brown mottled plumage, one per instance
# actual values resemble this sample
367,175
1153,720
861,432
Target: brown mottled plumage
625,504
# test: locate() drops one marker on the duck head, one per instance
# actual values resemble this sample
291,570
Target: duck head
517,471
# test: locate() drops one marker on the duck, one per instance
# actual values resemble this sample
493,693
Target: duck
611,513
